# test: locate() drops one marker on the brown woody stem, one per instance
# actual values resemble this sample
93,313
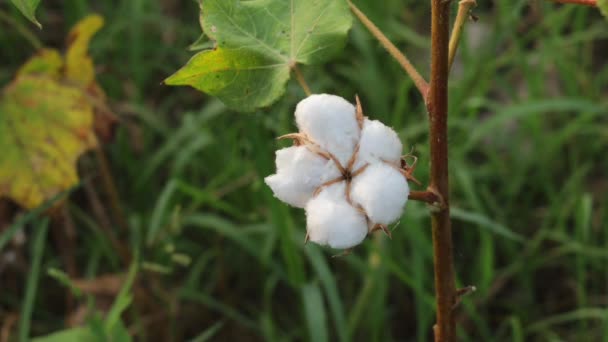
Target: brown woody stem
591,3
424,196
464,6
419,81
437,105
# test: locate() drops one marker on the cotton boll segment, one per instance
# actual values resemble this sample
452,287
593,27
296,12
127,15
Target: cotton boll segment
286,190
378,143
331,220
285,157
299,173
382,192
330,121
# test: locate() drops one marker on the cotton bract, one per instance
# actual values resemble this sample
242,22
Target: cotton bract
344,170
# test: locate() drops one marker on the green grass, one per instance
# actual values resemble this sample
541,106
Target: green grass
528,139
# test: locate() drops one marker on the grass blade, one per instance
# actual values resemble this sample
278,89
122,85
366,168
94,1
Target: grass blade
32,280
315,312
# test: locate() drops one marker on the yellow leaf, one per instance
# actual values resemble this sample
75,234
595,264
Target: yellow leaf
44,128
79,66
45,62
46,119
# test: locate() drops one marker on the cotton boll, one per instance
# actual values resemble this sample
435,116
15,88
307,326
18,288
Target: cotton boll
382,192
378,143
330,172
298,157
330,121
287,191
285,157
299,173
331,220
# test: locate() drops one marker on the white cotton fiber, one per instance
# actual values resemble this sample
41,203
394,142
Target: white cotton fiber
307,177
299,173
378,143
285,157
382,192
331,220
330,121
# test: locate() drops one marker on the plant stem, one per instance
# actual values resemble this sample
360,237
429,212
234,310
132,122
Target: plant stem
110,188
464,6
424,196
419,81
591,3
105,223
437,104
301,80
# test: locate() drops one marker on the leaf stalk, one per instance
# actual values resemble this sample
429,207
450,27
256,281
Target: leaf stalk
419,81
590,3
301,80
464,7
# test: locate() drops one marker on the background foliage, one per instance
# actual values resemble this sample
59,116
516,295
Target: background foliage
528,131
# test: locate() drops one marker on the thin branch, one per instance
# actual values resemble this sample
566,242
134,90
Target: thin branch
424,196
419,81
437,105
591,3
301,80
464,6
105,223
110,188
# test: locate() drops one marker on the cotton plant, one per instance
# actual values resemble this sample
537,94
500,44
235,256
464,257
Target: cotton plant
344,169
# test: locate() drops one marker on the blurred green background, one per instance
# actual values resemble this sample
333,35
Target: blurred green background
528,144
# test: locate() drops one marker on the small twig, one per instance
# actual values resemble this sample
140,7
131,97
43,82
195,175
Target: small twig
60,229
591,3
104,222
301,80
464,7
466,290
424,196
463,292
419,81
240,182
110,188
9,321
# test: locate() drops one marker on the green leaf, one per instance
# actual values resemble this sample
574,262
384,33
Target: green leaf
31,288
314,309
112,328
202,43
28,9
69,335
258,43
603,6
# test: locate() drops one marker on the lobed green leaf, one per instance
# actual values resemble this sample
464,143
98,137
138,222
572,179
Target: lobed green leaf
258,43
